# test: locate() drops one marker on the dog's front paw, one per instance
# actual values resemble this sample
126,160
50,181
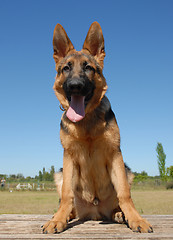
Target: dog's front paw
118,217
140,225
54,227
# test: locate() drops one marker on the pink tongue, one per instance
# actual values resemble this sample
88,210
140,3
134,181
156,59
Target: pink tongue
76,111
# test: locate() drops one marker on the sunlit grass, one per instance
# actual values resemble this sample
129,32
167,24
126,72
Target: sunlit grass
28,202
46,202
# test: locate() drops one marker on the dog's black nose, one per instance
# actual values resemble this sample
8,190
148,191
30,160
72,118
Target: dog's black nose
75,85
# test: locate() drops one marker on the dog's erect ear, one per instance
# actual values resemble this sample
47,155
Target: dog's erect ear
94,42
61,43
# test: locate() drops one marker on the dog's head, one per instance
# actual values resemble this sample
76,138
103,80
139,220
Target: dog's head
79,83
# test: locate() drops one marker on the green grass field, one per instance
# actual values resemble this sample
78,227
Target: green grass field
153,201
46,202
28,202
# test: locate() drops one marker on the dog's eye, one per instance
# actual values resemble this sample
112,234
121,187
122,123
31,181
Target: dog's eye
89,68
66,68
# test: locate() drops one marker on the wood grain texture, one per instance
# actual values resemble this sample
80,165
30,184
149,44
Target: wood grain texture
14,226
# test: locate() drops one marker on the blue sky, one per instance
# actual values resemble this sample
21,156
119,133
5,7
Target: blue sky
138,68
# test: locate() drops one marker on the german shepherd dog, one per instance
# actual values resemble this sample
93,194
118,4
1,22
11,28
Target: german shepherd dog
96,183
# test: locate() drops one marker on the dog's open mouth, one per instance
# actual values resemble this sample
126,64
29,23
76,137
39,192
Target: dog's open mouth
76,111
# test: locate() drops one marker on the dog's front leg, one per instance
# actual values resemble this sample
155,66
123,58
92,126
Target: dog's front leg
119,180
59,221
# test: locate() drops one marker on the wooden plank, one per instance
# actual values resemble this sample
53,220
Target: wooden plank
14,226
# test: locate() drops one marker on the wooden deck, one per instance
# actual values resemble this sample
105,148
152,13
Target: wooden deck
13,226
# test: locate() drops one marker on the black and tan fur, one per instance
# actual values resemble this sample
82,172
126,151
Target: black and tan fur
96,184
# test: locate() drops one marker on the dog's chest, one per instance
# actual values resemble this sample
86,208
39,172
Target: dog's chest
91,179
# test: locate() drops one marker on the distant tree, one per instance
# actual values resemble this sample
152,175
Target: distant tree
20,176
136,173
143,173
12,176
161,160
40,177
52,171
28,179
44,174
140,176
170,171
